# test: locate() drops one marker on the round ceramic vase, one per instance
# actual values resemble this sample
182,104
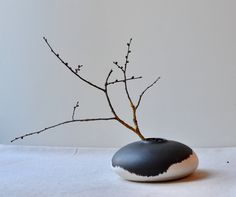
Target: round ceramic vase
154,159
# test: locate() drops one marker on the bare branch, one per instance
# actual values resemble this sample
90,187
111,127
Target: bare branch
127,55
141,95
107,96
122,80
118,66
125,73
75,107
62,123
115,114
108,76
73,71
106,83
124,70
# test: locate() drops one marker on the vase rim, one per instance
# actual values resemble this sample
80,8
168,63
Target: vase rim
155,140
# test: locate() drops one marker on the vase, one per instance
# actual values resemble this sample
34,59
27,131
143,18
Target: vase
154,159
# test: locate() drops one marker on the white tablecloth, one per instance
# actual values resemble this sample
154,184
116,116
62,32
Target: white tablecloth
85,172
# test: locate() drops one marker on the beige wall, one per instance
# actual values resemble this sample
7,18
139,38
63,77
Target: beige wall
190,44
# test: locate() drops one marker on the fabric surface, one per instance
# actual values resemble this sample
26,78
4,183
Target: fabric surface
86,172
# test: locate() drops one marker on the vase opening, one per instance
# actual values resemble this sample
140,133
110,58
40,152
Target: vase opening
155,140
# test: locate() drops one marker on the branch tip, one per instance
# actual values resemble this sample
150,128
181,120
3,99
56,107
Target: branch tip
141,95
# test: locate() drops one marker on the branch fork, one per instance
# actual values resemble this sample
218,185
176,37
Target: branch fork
105,90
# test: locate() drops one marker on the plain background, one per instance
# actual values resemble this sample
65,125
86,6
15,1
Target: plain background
191,44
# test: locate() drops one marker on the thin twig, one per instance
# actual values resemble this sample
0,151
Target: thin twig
125,72
112,108
118,66
122,80
141,95
107,96
127,55
62,123
66,64
75,107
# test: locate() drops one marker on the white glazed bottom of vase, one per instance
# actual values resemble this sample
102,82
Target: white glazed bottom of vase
175,171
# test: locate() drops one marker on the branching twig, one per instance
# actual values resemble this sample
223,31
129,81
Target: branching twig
125,74
75,107
61,123
124,70
118,66
122,80
107,96
141,95
127,55
66,64
116,117
113,110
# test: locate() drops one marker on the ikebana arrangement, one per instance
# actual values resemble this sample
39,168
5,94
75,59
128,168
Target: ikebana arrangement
150,159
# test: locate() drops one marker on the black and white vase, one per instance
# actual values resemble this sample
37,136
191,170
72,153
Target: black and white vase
154,159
